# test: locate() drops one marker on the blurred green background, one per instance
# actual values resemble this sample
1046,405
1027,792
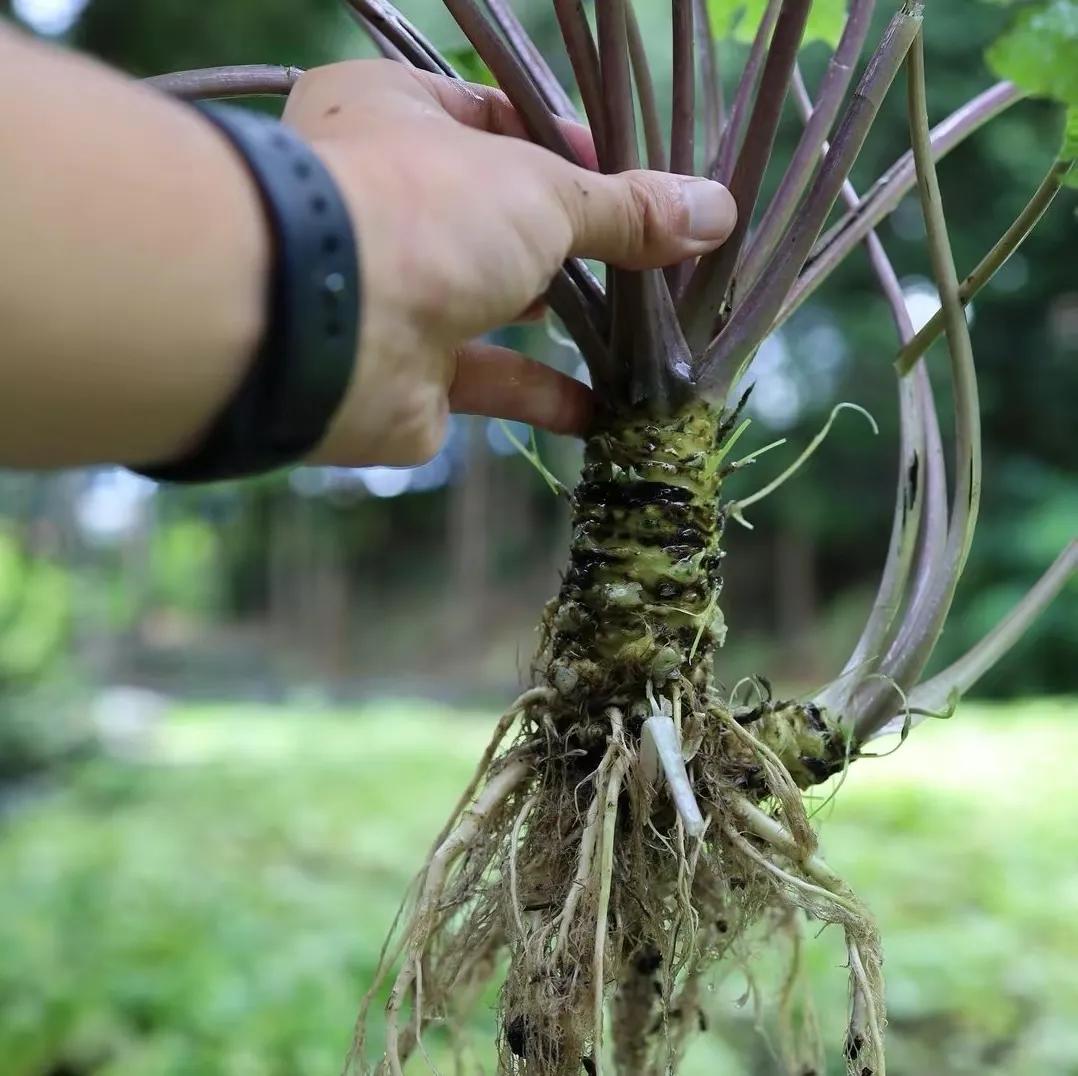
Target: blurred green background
231,719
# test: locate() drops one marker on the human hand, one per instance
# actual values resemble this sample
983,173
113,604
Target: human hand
461,225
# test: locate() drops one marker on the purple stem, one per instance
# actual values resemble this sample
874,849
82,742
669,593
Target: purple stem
584,58
385,47
512,76
245,80
917,412
628,316
711,81
881,265
835,82
572,305
925,616
399,32
886,193
660,364
683,109
752,319
557,100
730,143
683,113
707,289
618,122
645,92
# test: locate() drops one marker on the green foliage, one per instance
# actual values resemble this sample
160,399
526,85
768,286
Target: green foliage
219,909
34,613
470,67
1069,150
184,557
168,35
1040,51
740,18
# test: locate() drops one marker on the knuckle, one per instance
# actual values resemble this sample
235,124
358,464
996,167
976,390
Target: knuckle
641,224
660,210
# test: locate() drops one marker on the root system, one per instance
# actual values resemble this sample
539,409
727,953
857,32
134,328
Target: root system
640,822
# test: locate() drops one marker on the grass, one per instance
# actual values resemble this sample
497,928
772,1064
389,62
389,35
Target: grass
216,908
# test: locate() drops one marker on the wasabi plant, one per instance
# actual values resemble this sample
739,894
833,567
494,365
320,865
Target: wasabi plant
641,820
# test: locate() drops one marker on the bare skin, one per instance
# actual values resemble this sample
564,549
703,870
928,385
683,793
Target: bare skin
131,299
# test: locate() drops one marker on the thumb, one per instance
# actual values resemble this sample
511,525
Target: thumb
641,219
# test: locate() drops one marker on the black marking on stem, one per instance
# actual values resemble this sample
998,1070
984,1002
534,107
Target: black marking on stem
821,768
913,475
637,494
730,420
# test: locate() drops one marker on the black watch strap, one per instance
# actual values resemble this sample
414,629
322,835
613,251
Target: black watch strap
286,400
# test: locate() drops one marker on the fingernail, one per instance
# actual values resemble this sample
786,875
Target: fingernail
712,212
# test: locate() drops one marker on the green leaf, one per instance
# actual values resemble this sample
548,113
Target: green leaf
1069,150
469,66
1039,53
739,19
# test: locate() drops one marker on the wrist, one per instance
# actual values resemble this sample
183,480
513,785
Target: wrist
282,405
233,248
219,254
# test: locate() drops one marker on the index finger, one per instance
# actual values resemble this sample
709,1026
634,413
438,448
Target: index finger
501,383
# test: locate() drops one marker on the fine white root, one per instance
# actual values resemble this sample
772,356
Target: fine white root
864,1013
589,838
762,825
580,879
779,782
514,842
660,746
791,880
800,1044
606,866
529,698
387,958
865,1046
498,789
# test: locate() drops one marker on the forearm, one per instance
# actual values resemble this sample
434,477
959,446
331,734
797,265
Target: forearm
132,286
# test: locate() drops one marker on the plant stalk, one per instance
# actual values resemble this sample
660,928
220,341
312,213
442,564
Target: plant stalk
836,81
584,59
533,61
245,80
887,192
722,168
991,263
645,93
683,109
924,619
751,320
714,113
707,289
